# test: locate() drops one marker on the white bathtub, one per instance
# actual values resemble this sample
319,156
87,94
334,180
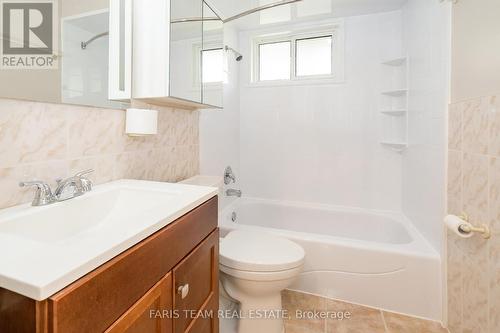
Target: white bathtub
368,258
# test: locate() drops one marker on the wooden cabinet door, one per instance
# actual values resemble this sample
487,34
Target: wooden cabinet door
151,314
197,275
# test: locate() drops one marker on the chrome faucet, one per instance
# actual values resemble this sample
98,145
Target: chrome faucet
78,183
233,193
44,196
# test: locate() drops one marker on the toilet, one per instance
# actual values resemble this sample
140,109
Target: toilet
254,268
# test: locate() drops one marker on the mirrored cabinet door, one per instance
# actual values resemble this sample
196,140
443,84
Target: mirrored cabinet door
86,58
212,57
120,49
186,44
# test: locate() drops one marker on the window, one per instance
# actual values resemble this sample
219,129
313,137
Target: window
299,56
274,60
314,56
213,63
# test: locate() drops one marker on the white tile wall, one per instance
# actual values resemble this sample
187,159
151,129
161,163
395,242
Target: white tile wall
220,129
426,37
320,143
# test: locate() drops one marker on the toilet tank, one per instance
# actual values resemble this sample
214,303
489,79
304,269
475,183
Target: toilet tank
203,180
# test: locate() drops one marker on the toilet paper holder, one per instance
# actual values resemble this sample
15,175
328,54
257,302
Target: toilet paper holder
468,227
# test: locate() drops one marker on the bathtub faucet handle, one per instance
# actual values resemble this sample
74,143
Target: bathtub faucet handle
229,176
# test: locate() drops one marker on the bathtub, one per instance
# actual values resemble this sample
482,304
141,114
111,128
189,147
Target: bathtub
374,259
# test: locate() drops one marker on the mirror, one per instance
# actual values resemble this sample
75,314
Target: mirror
212,58
196,53
185,48
68,45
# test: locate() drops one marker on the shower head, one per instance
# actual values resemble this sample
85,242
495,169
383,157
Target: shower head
237,55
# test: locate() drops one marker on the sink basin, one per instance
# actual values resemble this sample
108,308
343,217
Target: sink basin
44,249
69,219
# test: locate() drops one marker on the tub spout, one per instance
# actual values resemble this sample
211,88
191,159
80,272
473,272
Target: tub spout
233,193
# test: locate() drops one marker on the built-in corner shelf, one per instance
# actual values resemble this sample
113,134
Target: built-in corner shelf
394,104
395,113
396,92
395,61
396,146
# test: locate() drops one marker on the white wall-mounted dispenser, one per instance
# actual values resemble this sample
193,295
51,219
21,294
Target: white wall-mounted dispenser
141,122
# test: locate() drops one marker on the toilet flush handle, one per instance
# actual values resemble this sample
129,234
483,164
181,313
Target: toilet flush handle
183,290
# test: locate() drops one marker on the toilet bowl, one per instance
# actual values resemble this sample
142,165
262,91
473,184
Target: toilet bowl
255,267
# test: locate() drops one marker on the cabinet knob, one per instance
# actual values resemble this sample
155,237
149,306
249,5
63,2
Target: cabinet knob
183,290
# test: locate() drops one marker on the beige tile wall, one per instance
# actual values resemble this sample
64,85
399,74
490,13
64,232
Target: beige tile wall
49,141
474,188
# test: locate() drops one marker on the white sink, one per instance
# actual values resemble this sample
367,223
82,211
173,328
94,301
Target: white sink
73,218
44,249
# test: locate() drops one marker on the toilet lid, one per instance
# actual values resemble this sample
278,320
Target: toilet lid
259,252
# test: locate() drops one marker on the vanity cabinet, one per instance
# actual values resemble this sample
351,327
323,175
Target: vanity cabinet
177,53
161,284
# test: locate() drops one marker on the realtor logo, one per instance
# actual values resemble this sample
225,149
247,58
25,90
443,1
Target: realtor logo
29,34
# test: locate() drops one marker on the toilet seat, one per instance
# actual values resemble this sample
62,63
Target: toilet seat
259,252
261,276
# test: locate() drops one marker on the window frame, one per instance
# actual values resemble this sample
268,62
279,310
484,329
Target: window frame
336,31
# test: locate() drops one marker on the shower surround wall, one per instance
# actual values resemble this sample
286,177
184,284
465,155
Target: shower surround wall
426,38
49,141
320,143
219,129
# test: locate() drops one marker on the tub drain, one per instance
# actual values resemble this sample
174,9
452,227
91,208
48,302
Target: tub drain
233,216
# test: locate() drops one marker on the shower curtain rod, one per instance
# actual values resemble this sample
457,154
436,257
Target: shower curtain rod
85,44
195,19
237,16
260,8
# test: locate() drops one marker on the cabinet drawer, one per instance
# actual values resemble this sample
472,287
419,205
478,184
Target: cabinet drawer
199,273
106,293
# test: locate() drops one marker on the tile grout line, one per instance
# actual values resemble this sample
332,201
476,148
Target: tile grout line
325,322
488,244
462,194
383,321
469,99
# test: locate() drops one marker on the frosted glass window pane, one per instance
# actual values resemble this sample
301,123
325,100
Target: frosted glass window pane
314,56
274,59
213,63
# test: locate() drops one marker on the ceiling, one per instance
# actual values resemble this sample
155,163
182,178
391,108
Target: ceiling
301,11
94,23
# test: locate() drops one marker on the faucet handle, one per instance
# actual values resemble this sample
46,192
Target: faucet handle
37,183
43,194
84,173
85,182
229,176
